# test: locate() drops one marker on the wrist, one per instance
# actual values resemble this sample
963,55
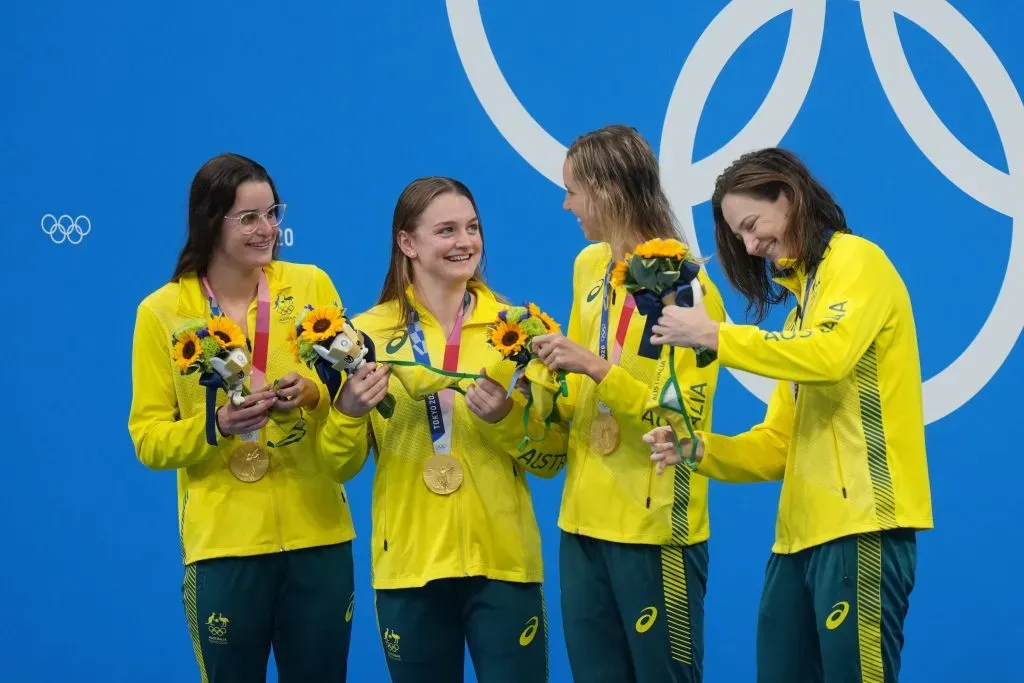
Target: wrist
598,368
711,336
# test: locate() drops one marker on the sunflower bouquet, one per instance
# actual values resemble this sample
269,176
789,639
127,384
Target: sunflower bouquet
661,273
215,348
326,341
512,334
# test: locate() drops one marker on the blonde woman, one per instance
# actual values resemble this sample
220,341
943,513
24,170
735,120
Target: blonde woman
634,551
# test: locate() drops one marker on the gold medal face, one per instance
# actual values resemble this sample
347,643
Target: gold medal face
249,462
443,474
604,434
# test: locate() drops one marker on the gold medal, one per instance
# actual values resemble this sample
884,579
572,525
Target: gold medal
249,462
604,434
442,474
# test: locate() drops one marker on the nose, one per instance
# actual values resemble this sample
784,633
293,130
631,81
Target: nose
751,244
565,203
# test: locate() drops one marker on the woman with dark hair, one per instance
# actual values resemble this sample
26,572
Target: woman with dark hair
456,549
266,534
634,552
844,430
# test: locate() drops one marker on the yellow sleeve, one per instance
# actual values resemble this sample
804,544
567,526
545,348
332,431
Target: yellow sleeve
163,441
853,305
544,458
567,404
326,295
757,455
344,444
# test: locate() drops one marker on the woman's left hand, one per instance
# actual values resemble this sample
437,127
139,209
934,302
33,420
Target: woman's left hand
686,327
295,391
487,400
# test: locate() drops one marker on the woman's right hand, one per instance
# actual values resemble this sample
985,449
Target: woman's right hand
664,451
363,390
249,415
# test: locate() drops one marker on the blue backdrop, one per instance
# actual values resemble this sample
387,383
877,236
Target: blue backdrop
111,106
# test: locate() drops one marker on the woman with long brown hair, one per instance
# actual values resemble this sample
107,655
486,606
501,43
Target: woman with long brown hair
844,429
456,549
633,556
265,533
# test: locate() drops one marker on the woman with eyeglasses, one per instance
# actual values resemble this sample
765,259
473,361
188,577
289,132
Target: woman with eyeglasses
456,550
266,533
844,430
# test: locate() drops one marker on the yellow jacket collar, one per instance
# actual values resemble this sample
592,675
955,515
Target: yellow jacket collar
792,274
192,297
484,312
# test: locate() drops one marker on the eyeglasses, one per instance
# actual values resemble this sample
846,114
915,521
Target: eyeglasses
248,221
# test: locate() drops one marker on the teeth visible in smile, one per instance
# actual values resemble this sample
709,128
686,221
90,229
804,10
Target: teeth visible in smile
458,257
259,244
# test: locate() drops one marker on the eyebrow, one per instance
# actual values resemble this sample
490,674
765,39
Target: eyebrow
471,221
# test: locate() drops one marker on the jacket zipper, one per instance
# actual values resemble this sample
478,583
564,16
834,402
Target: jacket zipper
650,485
277,512
839,463
385,496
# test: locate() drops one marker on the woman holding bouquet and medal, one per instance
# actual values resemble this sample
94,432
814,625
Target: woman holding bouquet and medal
266,534
634,544
844,430
456,549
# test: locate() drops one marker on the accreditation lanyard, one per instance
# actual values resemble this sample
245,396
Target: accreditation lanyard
439,405
262,342
628,307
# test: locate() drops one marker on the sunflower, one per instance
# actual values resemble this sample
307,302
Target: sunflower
321,323
619,272
549,323
226,331
657,247
187,350
508,338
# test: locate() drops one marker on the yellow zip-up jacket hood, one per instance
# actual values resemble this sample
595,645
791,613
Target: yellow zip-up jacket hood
296,504
850,448
487,526
619,497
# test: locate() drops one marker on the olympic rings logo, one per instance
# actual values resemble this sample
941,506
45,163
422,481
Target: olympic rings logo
690,183
65,228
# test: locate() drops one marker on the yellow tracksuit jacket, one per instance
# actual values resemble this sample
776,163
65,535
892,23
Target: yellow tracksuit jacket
619,497
487,526
297,504
850,449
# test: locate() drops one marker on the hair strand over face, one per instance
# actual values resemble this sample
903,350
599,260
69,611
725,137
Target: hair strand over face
766,174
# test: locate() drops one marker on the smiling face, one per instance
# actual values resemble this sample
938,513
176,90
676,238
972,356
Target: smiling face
446,244
243,242
761,224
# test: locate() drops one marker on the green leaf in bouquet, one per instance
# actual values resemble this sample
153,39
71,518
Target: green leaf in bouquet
665,280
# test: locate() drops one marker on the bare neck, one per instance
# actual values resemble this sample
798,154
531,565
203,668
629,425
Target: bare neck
443,300
232,286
